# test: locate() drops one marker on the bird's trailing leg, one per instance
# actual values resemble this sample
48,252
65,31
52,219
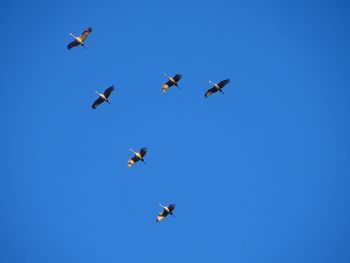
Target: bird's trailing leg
221,91
172,214
84,46
177,86
108,101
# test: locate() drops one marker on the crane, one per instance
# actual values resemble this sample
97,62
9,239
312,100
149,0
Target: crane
137,156
216,87
166,211
80,39
102,97
171,82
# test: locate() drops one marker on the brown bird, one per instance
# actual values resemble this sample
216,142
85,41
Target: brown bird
216,87
80,40
171,82
137,156
166,211
103,97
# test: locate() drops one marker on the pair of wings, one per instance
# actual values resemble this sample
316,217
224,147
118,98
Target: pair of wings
106,93
165,213
135,158
212,90
80,40
169,83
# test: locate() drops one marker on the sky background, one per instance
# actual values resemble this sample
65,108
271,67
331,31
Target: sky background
260,174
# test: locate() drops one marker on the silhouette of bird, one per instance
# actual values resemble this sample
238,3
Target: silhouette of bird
137,156
103,97
80,39
171,82
216,87
166,211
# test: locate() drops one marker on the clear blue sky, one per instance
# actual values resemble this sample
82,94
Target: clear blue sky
260,174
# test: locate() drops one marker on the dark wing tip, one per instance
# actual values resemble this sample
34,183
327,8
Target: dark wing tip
89,29
143,151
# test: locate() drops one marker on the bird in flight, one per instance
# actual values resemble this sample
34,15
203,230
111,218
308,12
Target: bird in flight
216,87
80,39
102,97
137,156
171,82
167,210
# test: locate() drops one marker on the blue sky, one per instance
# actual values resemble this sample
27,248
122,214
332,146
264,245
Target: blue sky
260,174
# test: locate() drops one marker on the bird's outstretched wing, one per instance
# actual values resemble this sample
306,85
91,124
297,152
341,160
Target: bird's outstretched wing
85,34
222,83
97,102
177,77
143,151
73,44
166,86
108,91
210,91
133,160
162,215
171,207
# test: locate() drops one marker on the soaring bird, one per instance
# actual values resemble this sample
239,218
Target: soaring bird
171,81
166,211
137,156
103,97
79,40
216,87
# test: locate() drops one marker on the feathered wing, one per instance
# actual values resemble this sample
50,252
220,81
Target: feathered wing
97,102
85,34
73,44
210,91
171,207
133,160
108,91
162,215
166,86
223,83
177,77
143,152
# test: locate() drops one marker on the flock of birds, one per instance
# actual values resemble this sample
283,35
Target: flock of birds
172,81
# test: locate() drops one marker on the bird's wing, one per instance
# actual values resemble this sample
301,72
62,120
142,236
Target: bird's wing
85,34
210,91
221,84
171,207
162,215
133,160
97,102
177,77
73,44
143,152
166,86
108,91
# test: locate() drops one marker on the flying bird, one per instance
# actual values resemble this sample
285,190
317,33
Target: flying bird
80,39
137,156
103,97
216,87
166,211
171,82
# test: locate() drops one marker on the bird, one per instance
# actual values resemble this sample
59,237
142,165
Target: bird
166,211
216,87
79,40
172,81
103,97
137,156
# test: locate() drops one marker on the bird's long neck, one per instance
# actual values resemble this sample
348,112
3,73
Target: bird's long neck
162,206
72,35
133,151
166,75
